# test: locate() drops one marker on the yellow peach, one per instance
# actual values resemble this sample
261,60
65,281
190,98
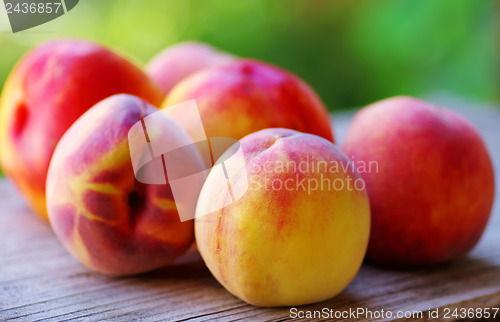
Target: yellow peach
298,233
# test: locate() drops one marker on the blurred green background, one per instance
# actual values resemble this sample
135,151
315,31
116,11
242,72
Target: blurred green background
351,52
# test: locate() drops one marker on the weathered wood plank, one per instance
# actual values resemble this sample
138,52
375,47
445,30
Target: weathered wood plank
40,280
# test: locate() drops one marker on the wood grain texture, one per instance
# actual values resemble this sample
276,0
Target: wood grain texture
40,280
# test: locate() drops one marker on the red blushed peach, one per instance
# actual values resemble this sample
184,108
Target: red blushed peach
245,96
181,60
433,192
299,231
45,93
106,218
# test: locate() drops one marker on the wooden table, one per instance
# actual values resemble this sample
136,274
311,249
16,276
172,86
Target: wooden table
40,280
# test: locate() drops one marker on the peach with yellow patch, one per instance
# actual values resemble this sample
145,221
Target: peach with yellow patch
45,93
245,96
282,243
106,218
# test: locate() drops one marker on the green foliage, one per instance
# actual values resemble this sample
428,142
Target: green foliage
352,52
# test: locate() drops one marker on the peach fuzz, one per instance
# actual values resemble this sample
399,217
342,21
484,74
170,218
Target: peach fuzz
433,193
45,93
245,96
106,218
181,60
288,246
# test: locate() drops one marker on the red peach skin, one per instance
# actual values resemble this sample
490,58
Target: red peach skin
45,93
245,96
433,192
177,62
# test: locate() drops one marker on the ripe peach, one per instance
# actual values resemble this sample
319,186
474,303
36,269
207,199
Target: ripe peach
181,60
433,193
299,233
45,93
106,218
245,96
